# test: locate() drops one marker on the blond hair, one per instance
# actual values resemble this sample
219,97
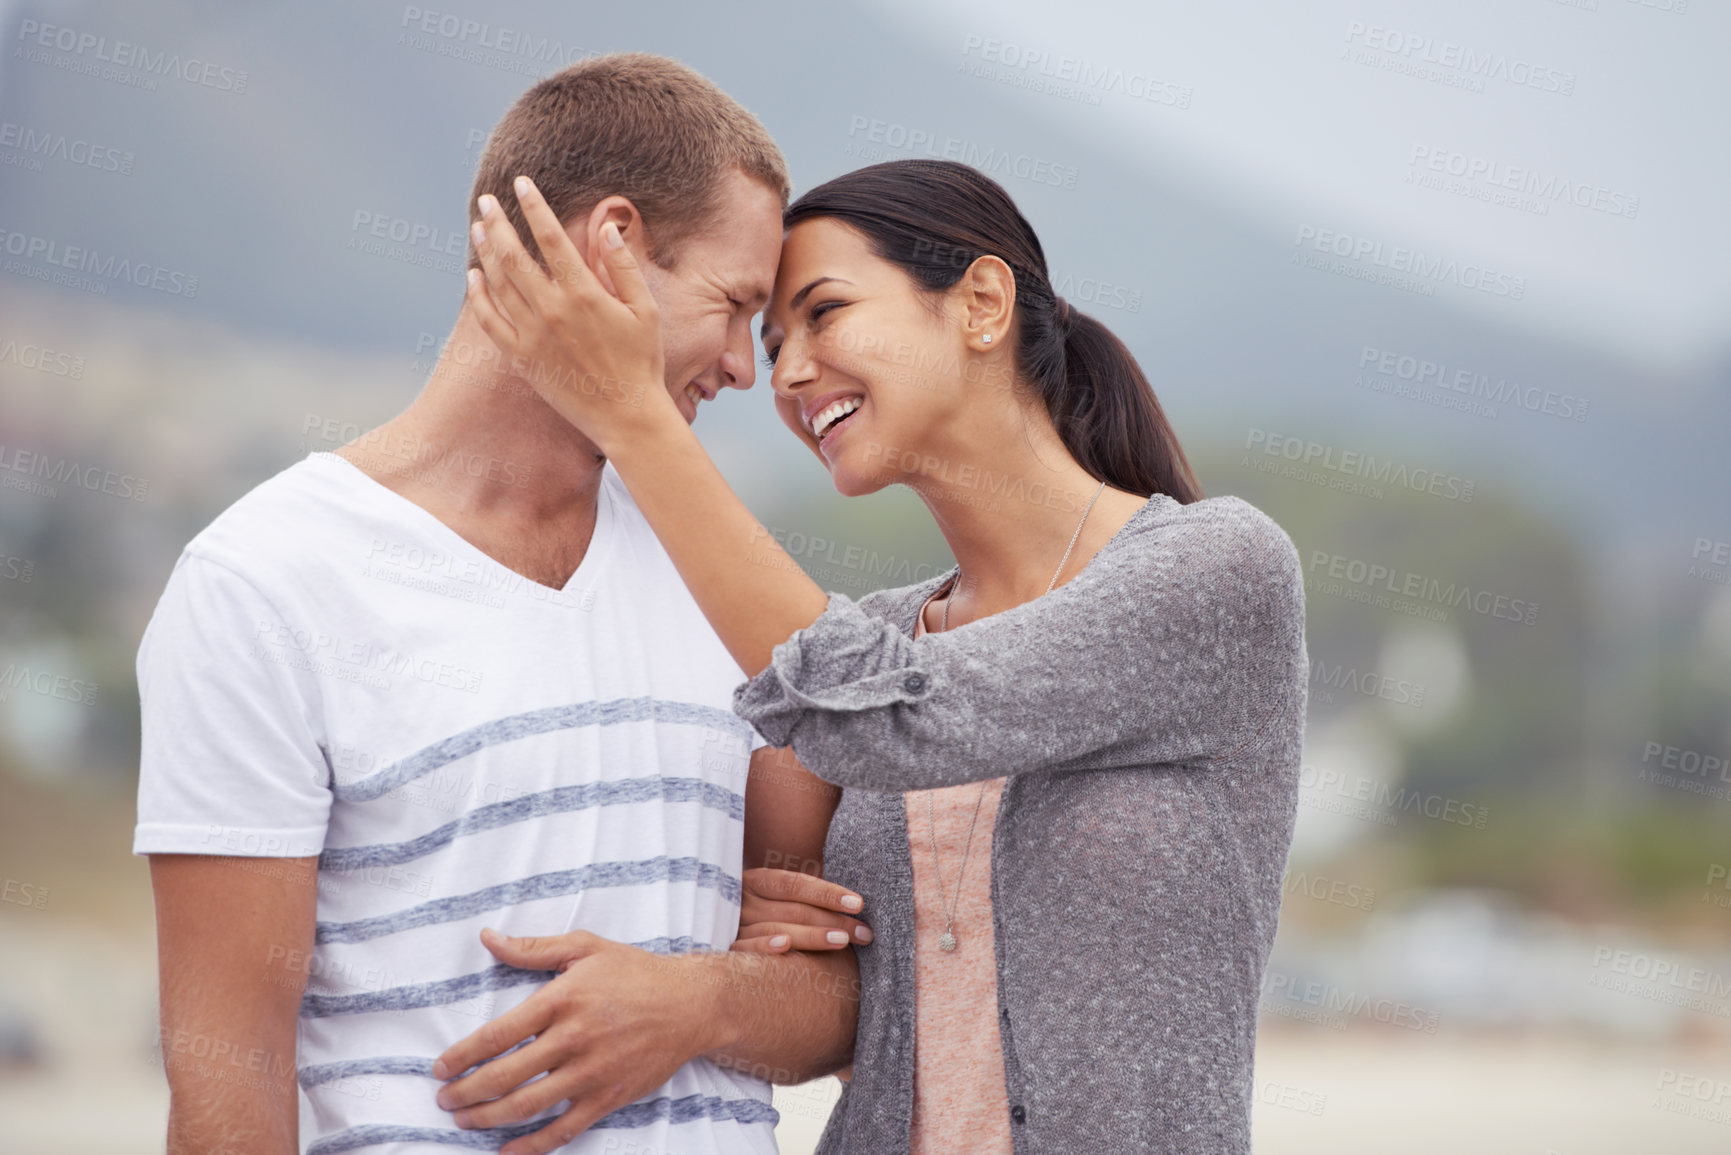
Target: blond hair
631,124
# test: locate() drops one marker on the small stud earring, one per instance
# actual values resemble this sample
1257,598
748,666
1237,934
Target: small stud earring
987,338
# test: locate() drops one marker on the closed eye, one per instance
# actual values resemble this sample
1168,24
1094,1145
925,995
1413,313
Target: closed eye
817,312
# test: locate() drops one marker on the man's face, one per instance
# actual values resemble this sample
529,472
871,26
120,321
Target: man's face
721,278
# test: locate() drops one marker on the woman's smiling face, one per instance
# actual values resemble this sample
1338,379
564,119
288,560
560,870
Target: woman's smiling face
849,336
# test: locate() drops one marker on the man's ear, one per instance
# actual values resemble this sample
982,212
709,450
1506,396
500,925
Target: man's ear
586,235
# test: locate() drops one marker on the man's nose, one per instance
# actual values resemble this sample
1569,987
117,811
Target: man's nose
738,365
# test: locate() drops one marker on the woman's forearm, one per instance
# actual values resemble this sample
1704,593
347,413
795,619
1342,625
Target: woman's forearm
754,595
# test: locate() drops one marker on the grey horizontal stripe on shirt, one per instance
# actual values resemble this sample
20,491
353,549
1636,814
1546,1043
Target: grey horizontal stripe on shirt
378,1134
538,886
414,996
618,792
570,717
436,994
322,1073
688,1109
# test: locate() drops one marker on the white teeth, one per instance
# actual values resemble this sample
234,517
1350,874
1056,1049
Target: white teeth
830,414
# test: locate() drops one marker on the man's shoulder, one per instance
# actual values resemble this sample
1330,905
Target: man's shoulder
290,519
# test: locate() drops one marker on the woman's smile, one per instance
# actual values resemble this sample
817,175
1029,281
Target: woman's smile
827,424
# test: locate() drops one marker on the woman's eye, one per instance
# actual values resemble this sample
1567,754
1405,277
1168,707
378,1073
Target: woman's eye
817,311
768,358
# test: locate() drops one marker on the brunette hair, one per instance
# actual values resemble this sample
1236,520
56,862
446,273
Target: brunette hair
644,127
933,219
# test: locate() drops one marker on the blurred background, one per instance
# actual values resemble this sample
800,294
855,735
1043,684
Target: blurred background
1445,289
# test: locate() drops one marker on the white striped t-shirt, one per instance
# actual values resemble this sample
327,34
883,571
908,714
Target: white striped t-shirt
334,671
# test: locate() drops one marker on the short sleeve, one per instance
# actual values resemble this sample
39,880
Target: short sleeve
230,758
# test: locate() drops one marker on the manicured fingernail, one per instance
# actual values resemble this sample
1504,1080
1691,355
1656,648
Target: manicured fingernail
440,1071
489,204
478,233
852,901
474,278
778,942
863,933
521,184
461,1119
610,235
839,937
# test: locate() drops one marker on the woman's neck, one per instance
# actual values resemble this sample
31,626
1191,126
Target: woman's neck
1008,506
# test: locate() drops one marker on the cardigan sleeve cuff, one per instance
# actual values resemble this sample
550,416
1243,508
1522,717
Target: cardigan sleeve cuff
844,662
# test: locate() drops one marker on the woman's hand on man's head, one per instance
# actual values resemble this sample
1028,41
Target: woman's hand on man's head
594,355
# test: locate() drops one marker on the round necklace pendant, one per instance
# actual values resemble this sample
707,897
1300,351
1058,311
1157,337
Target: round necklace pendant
947,942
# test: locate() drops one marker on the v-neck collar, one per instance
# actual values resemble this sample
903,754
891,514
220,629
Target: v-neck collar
594,557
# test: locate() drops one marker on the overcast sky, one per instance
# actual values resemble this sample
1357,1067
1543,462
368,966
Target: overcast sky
1297,116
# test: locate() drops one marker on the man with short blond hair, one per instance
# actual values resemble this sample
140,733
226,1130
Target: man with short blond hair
653,131
391,699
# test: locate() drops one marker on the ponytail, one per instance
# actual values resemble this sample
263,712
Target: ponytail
933,219
1108,416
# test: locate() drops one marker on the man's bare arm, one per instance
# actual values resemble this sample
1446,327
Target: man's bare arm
787,813
233,939
786,1018
788,810
795,1021
785,903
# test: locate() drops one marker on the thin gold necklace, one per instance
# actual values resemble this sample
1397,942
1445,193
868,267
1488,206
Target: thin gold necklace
947,942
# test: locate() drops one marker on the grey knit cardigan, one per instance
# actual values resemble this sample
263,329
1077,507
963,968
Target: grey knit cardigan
1149,714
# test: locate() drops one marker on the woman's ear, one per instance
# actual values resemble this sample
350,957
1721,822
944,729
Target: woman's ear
586,235
988,302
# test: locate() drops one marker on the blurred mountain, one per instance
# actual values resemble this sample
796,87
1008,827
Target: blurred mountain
359,112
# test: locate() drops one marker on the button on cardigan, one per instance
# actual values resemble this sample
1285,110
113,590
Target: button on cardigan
1149,713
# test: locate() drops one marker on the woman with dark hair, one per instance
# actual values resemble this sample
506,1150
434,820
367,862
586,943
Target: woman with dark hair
1070,764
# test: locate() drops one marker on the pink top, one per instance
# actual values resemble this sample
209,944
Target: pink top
959,1097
